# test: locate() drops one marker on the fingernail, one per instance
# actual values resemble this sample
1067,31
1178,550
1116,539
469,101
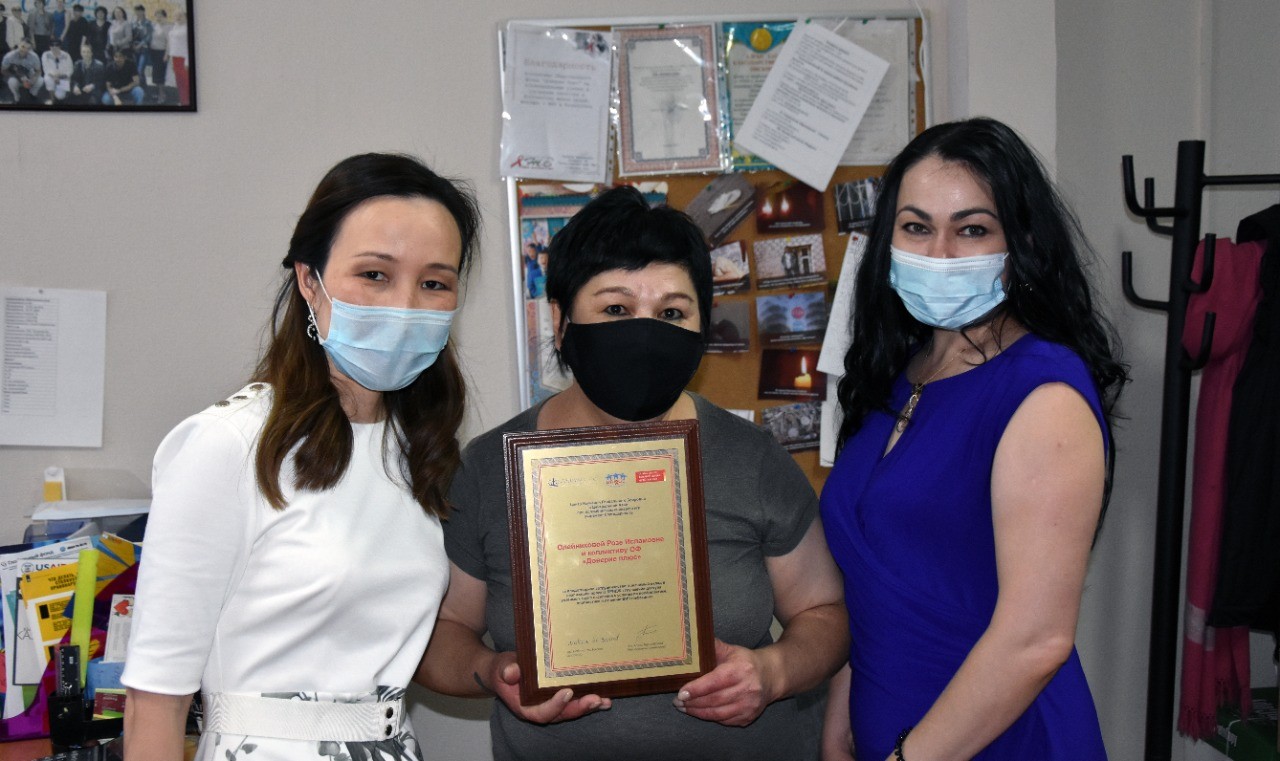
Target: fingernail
684,695
566,696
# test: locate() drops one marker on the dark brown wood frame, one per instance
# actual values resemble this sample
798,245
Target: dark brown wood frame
531,691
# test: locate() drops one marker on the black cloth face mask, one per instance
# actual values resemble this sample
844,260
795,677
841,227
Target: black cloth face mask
632,369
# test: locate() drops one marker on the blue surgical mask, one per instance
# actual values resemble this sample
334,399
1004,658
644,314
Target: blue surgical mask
947,293
383,348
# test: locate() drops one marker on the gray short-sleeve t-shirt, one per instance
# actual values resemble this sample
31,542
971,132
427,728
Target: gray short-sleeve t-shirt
759,504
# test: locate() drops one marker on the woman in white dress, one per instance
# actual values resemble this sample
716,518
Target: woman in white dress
294,562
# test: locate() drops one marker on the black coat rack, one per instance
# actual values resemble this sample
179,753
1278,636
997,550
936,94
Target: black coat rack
1166,602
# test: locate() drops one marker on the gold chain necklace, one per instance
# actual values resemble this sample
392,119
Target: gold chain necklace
916,388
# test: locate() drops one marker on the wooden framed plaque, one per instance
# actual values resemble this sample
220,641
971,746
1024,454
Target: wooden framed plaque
609,559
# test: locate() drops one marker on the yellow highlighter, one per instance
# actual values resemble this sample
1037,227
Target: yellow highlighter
82,616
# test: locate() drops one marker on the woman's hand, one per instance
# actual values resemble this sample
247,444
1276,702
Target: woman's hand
734,693
563,706
458,662
809,602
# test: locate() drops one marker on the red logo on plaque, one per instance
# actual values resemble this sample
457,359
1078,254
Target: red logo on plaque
650,476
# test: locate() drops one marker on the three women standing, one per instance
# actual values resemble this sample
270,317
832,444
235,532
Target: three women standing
962,507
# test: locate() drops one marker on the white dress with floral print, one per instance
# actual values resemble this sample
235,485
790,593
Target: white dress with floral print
332,598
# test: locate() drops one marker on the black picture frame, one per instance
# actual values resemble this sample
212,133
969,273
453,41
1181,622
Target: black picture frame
149,93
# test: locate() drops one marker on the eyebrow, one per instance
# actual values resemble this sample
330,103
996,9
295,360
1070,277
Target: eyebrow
963,213
383,257
624,291
375,255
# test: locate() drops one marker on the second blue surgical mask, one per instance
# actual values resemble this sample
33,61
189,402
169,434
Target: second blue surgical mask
383,348
947,293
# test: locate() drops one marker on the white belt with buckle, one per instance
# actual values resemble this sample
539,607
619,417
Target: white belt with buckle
286,719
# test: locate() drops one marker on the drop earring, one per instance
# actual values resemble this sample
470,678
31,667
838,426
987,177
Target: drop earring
312,332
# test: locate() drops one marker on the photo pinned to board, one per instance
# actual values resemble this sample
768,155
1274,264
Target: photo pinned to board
730,270
793,318
797,427
790,262
856,203
791,374
730,330
789,206
721,206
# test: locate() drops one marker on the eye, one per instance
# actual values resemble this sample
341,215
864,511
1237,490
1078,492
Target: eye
973,231
616,310
672,314
914,228
373,275
434,285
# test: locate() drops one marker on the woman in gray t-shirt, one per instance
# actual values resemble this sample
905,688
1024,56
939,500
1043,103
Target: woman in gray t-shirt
630,293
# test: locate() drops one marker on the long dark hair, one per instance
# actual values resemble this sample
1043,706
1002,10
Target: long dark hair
305,409
1048,291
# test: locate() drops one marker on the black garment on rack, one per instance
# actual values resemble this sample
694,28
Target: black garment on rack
1248,590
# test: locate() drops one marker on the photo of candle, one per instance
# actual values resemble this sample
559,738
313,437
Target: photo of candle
791,374
803,381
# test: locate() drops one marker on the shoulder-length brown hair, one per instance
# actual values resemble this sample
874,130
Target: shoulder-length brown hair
305,411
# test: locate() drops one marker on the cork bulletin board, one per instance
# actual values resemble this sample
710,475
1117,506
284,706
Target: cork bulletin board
775,265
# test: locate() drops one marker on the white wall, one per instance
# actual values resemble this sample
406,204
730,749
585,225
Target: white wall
1127,83
1135,78
183,218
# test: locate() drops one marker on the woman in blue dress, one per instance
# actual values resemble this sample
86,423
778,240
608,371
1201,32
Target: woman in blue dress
973,463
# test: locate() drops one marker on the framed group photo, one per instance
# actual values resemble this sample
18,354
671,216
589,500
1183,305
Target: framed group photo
97,55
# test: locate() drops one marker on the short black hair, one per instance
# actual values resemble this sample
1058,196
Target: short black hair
618,229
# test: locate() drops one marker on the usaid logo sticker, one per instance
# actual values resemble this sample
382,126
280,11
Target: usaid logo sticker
615,479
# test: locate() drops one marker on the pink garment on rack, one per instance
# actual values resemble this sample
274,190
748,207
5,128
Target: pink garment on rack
1215,661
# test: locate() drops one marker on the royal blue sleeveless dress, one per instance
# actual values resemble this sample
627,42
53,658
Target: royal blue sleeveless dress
912,532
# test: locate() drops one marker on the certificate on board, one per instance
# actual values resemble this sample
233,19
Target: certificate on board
608,559
750,50
555,102
811,104
668,102
887,124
